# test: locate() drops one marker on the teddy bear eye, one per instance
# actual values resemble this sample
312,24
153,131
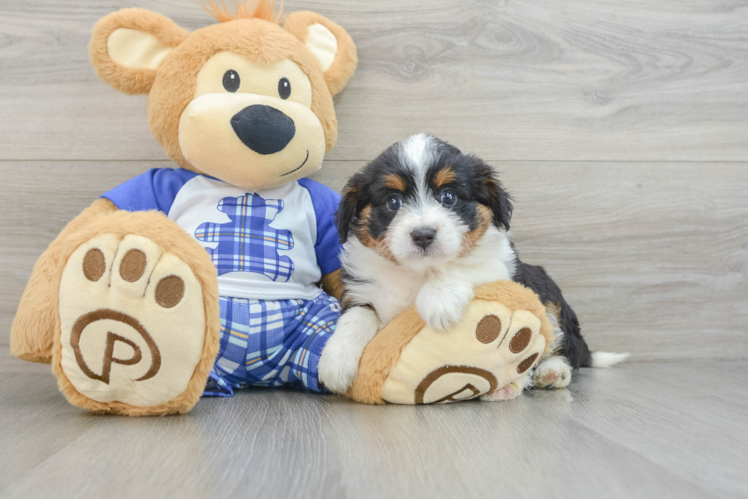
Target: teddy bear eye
284,88
231,80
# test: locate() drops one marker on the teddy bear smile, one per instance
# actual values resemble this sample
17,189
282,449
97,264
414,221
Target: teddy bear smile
299,167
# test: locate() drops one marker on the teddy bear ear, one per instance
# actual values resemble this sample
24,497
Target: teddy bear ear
330,45
128,46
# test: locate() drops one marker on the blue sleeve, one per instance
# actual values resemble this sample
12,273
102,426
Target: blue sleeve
327,247
153,190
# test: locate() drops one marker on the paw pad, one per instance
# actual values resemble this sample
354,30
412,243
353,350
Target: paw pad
520,341
132,321
527,363
488,329
169,291
94,265
132,267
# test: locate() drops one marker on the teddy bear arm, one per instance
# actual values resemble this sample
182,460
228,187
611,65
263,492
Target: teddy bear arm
32,333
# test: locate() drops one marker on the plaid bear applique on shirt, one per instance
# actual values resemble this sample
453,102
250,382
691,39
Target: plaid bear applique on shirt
248,243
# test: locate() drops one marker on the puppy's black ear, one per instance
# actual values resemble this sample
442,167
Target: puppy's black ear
348,208
490,192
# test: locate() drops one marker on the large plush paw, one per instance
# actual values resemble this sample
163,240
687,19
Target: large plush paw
132,321
487,350
338,364
553,373
441,305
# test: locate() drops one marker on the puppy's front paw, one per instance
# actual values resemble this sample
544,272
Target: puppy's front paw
510,391
337,367
338,364
442,306
506,393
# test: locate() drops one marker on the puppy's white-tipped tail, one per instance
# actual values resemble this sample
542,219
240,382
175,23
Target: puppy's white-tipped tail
602,359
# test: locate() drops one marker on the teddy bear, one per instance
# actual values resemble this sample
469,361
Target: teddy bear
135,299
224,272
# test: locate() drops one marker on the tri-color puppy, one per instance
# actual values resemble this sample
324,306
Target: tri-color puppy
424,224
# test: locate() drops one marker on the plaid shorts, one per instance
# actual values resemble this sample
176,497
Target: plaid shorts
271,343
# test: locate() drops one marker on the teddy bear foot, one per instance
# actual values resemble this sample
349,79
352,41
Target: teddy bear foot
508,345
489,353
132,328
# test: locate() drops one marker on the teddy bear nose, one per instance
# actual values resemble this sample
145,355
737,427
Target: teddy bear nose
263,129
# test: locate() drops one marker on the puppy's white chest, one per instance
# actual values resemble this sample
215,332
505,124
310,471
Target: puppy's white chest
395,294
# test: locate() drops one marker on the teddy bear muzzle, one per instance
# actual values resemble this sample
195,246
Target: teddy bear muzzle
251,141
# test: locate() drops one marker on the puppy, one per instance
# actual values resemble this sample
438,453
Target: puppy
424,224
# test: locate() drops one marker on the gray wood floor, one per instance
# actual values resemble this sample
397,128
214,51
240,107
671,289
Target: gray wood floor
621,128
652,429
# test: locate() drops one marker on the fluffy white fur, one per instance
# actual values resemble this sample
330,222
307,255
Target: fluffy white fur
393,287
601,359
338,364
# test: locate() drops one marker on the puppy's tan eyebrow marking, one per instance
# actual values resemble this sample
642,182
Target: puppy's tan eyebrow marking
444,176
394,181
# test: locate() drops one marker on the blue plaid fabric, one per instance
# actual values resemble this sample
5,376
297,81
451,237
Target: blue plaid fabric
271,343
248,243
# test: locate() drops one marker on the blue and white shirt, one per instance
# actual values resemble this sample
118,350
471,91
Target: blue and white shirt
274,244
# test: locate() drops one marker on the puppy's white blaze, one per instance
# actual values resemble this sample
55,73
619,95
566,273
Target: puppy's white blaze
417,152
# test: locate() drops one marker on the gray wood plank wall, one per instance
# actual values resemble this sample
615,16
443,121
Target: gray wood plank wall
621,127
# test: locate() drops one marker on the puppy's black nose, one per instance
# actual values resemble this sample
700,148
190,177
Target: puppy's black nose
263,129
423,236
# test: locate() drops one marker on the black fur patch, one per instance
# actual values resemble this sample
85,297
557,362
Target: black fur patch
573,346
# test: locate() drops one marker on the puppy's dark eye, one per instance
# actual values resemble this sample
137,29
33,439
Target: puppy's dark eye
231,80
448,197
284,88
394,203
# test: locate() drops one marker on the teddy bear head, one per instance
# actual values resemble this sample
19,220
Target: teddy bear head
247,100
